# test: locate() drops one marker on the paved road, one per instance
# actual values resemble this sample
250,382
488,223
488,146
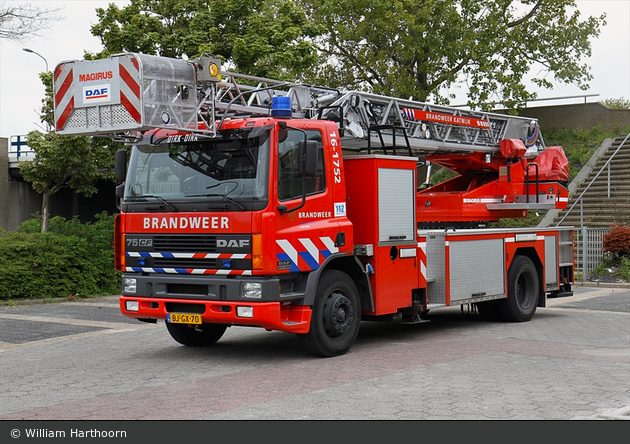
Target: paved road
84,361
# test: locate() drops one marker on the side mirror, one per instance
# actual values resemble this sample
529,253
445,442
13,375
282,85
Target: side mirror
120,168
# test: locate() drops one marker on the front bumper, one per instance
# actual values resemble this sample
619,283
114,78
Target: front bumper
204,287
281,316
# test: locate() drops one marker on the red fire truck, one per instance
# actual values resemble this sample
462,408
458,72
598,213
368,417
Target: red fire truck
253,202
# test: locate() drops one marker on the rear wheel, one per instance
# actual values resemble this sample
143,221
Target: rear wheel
523,291
336,316
196,336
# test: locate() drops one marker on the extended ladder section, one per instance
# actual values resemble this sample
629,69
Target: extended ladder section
425,128
129,93
370,120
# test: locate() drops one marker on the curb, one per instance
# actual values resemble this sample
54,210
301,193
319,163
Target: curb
602,284
53,300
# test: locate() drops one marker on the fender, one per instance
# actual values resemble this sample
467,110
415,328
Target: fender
349,265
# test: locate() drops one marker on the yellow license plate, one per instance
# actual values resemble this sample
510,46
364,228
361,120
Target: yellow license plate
184,318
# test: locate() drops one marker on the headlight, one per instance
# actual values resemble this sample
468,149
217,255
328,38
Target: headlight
132,305
129,285
252,290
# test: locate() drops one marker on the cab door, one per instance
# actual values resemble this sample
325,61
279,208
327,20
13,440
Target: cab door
307,232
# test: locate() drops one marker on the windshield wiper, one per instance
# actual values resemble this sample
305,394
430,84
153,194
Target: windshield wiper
224,196
160,198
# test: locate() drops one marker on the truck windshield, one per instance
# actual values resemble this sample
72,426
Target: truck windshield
177,172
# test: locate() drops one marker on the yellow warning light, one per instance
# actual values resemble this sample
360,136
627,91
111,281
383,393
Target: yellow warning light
208,70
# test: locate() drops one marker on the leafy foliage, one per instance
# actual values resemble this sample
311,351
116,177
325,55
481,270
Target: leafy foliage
270,38
532,219
61,161
407,48
620,103
624,268
400,48
612,269
441,175
70,259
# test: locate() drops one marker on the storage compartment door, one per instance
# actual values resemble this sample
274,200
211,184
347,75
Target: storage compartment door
476,269
396,209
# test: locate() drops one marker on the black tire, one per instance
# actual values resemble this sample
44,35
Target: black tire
523,291
488,310
205,334
336,316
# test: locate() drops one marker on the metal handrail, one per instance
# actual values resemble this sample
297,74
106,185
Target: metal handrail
579,199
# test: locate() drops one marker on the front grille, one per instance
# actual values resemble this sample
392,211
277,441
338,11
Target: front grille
185,244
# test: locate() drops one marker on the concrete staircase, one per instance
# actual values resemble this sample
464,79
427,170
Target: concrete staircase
605,201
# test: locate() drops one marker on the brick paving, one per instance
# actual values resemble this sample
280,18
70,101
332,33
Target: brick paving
571,362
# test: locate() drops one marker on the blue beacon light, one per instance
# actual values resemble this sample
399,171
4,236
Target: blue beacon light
281,107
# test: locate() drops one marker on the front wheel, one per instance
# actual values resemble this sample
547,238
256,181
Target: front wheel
523,291
196,336
336,316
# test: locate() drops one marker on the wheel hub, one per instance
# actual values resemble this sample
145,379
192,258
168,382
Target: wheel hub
338,314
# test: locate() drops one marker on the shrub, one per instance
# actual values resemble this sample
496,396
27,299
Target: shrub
617,241
624,268
70,259
613,267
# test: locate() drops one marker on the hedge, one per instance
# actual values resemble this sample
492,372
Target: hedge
71,259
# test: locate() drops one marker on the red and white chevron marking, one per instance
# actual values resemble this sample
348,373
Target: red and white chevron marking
64,94
129,70
422,255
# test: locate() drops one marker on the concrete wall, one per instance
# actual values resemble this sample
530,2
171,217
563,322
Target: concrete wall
4,182
22,203
581,115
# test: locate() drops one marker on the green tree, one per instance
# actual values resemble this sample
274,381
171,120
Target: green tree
76,162
619,103
401,48
270,38
419,49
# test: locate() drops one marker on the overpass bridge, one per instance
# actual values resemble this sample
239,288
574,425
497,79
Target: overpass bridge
20,202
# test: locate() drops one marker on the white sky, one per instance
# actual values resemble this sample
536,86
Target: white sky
21,90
